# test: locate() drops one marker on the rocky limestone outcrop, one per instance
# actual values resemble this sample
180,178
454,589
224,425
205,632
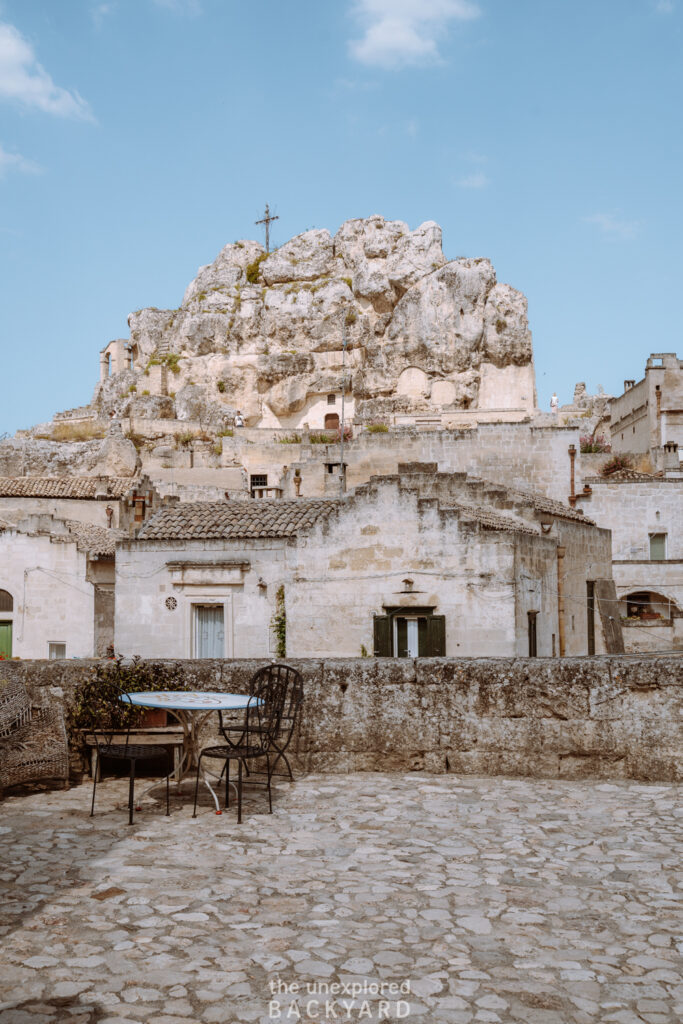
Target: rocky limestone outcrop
117,455
114,455
263,332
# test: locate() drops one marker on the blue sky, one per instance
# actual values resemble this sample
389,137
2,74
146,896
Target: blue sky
137,137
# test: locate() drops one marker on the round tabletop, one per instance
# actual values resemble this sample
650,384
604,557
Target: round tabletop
190,700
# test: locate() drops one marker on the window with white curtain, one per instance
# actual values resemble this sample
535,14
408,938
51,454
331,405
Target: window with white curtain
209,631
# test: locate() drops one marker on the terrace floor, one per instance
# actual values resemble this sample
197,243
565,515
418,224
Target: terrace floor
467,899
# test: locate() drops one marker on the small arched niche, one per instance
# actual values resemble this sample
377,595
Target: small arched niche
413,382
648,605
6,601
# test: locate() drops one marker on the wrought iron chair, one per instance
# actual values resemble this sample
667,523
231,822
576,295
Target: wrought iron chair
106,726
293,701
294,695
252,740
33,743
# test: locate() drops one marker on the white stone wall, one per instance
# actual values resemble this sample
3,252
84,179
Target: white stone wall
52,599
507,387
313,413
335,578
79,509
354,566
633,510
515,454
636,425
144,582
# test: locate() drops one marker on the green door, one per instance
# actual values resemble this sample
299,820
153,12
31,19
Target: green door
6,639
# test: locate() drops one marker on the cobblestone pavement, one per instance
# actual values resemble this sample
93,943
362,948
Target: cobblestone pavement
439,898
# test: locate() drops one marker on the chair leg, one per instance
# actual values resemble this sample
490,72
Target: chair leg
269,773
94,787
239,791
289,767
196,786
131,793
227,782
168,798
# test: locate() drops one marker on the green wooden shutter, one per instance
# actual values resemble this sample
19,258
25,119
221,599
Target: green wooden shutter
422,638
6,639
382,636
436,636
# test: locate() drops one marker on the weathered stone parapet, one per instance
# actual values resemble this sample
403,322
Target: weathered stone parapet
545,718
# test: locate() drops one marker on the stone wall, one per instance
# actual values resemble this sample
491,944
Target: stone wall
616,717
515,454
53,601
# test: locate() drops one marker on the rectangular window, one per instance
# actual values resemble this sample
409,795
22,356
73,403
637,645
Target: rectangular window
657,547
531,626
209,631
256,481
590,615
410,636
56,650
331,399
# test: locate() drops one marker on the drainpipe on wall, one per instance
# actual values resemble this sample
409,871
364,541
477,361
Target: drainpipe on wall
572,485
560,597
658,399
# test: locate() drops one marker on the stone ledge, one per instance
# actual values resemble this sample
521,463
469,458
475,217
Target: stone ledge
609,717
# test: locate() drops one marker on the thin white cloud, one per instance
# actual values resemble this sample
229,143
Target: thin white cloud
23,79
191,7
100,11
16,162
665,6
476,180
612,226
402,32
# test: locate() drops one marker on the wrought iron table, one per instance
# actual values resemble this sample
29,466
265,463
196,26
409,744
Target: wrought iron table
191,708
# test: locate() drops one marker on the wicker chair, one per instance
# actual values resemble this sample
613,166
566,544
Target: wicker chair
33,743
254,739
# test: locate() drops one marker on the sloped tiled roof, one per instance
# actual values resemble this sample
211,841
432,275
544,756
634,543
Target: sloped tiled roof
550,505
65,487
493,520
263,517
96,540
628,475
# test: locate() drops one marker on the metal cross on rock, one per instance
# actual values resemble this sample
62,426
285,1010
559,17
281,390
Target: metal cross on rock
267,220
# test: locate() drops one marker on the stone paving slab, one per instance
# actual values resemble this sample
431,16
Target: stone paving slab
386,897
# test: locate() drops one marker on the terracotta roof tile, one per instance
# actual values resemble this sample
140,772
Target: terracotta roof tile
96,540
88,487
262,517
491,519
550,505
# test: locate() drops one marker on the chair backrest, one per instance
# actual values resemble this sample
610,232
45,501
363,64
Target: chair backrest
293,700
15,707
110,719
263,717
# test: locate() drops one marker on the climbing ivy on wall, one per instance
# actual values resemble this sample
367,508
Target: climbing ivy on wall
279,623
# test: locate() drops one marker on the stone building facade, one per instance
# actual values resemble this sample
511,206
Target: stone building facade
650,412
413,564
56,589
645,515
